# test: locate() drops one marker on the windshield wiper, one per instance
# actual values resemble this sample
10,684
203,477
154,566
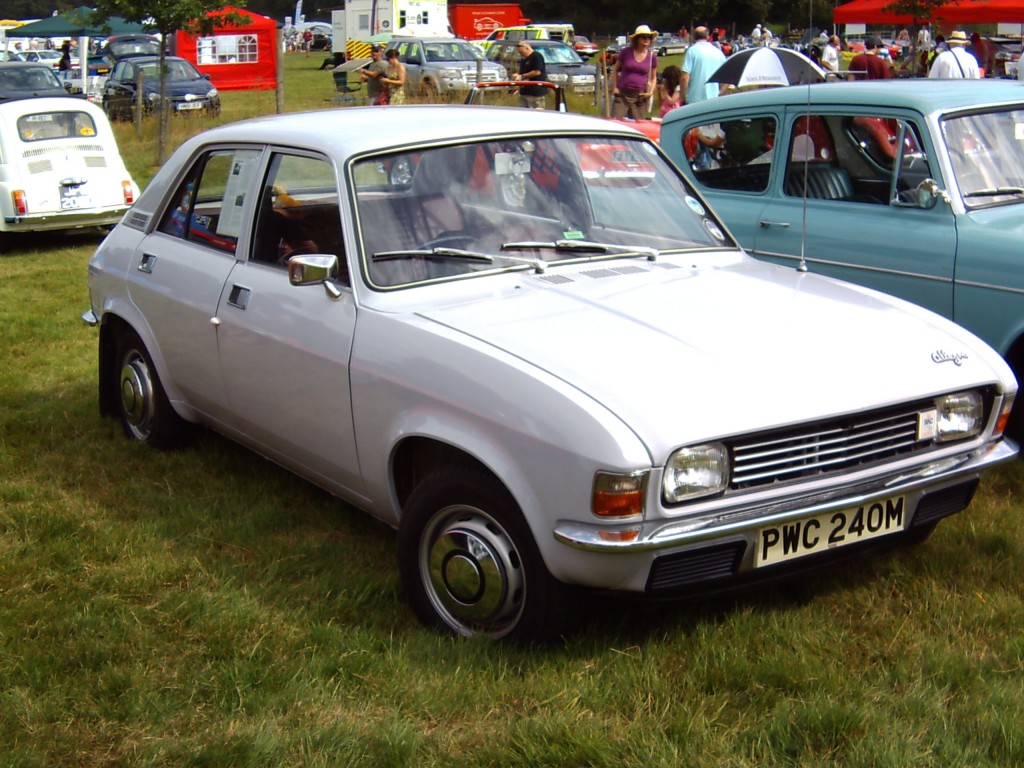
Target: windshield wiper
446,253
994,191
582,246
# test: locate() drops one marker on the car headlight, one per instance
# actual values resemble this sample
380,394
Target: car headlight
958,416
558,78
453,74
695,471
212,94
153,98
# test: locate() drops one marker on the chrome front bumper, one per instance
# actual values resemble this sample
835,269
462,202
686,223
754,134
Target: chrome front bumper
744,522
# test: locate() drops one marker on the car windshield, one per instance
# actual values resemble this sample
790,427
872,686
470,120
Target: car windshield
176,71
452,52
457,211
987,153
559,54
28,79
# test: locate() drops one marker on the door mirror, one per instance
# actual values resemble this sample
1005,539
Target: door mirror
928,194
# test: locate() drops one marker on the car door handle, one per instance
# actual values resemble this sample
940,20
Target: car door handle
146,265
239,296
765,223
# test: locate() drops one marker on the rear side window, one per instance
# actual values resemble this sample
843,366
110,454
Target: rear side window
56,125
732,154
209,206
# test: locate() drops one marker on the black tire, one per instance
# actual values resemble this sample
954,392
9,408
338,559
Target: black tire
470,566
145,412
663,52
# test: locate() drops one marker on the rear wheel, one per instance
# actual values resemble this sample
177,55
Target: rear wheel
146,413
469,563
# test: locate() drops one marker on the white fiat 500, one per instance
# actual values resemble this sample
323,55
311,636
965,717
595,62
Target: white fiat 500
522,339
59,166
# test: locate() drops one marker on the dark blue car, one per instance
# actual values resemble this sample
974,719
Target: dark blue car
188,90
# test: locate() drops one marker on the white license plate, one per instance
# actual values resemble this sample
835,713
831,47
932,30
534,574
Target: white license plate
190,105
829,530
73,198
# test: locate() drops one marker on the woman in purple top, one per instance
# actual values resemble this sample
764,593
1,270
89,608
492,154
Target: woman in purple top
634,75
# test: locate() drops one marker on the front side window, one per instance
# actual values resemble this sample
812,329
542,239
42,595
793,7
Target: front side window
209,205
987,154
298,212
475,209
40,126
853,158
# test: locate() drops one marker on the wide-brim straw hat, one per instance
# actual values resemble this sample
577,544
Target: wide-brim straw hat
957,37
643,29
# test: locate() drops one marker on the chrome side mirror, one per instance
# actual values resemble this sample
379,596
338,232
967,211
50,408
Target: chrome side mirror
315,268
928,194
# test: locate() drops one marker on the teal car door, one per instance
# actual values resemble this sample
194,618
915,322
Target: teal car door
845,201
731,162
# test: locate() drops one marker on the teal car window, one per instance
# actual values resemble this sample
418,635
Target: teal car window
733,154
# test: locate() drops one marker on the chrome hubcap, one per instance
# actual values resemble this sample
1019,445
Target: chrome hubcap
136,395
473,573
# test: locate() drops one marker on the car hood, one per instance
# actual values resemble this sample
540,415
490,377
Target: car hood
181,87
774,345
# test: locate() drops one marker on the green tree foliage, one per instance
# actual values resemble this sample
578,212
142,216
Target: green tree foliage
166,17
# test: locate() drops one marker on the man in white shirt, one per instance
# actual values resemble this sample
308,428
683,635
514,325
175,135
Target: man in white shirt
957,62
830,55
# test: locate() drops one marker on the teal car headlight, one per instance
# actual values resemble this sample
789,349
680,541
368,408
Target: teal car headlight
958,416
695,471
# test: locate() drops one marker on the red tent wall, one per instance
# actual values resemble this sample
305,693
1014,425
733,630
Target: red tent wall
962,12
869,12
238,57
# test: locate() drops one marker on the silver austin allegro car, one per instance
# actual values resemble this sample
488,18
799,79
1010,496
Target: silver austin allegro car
524,341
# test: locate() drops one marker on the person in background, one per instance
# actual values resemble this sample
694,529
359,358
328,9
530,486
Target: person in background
372,73
869,65
755,36
956,62
64,65
669,89
394,79
830,54
701,61
982,51
531,67
634,75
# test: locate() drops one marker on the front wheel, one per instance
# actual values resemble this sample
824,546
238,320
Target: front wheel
469,563
146,413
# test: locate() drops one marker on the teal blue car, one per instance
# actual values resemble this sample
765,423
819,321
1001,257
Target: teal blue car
913,187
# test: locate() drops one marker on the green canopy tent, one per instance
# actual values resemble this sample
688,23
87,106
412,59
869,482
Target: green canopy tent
76,23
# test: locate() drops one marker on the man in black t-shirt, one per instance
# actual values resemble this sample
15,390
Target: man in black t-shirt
531,67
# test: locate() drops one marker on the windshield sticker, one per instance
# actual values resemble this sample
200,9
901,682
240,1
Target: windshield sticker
714,229
695,205
1018,131
572,234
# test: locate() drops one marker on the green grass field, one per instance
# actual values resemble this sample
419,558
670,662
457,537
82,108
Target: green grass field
205,608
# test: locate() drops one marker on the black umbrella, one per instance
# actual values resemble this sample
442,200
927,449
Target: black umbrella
767,66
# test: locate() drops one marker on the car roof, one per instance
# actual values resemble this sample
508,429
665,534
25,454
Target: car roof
24,65
354,130
923,95
16,108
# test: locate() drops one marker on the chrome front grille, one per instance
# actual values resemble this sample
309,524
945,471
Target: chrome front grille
826,447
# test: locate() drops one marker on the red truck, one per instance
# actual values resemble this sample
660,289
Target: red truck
475,21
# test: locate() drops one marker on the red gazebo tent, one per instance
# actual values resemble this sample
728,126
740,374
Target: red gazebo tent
962,12
240,57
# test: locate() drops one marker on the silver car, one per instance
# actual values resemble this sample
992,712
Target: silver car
440,66
530,346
